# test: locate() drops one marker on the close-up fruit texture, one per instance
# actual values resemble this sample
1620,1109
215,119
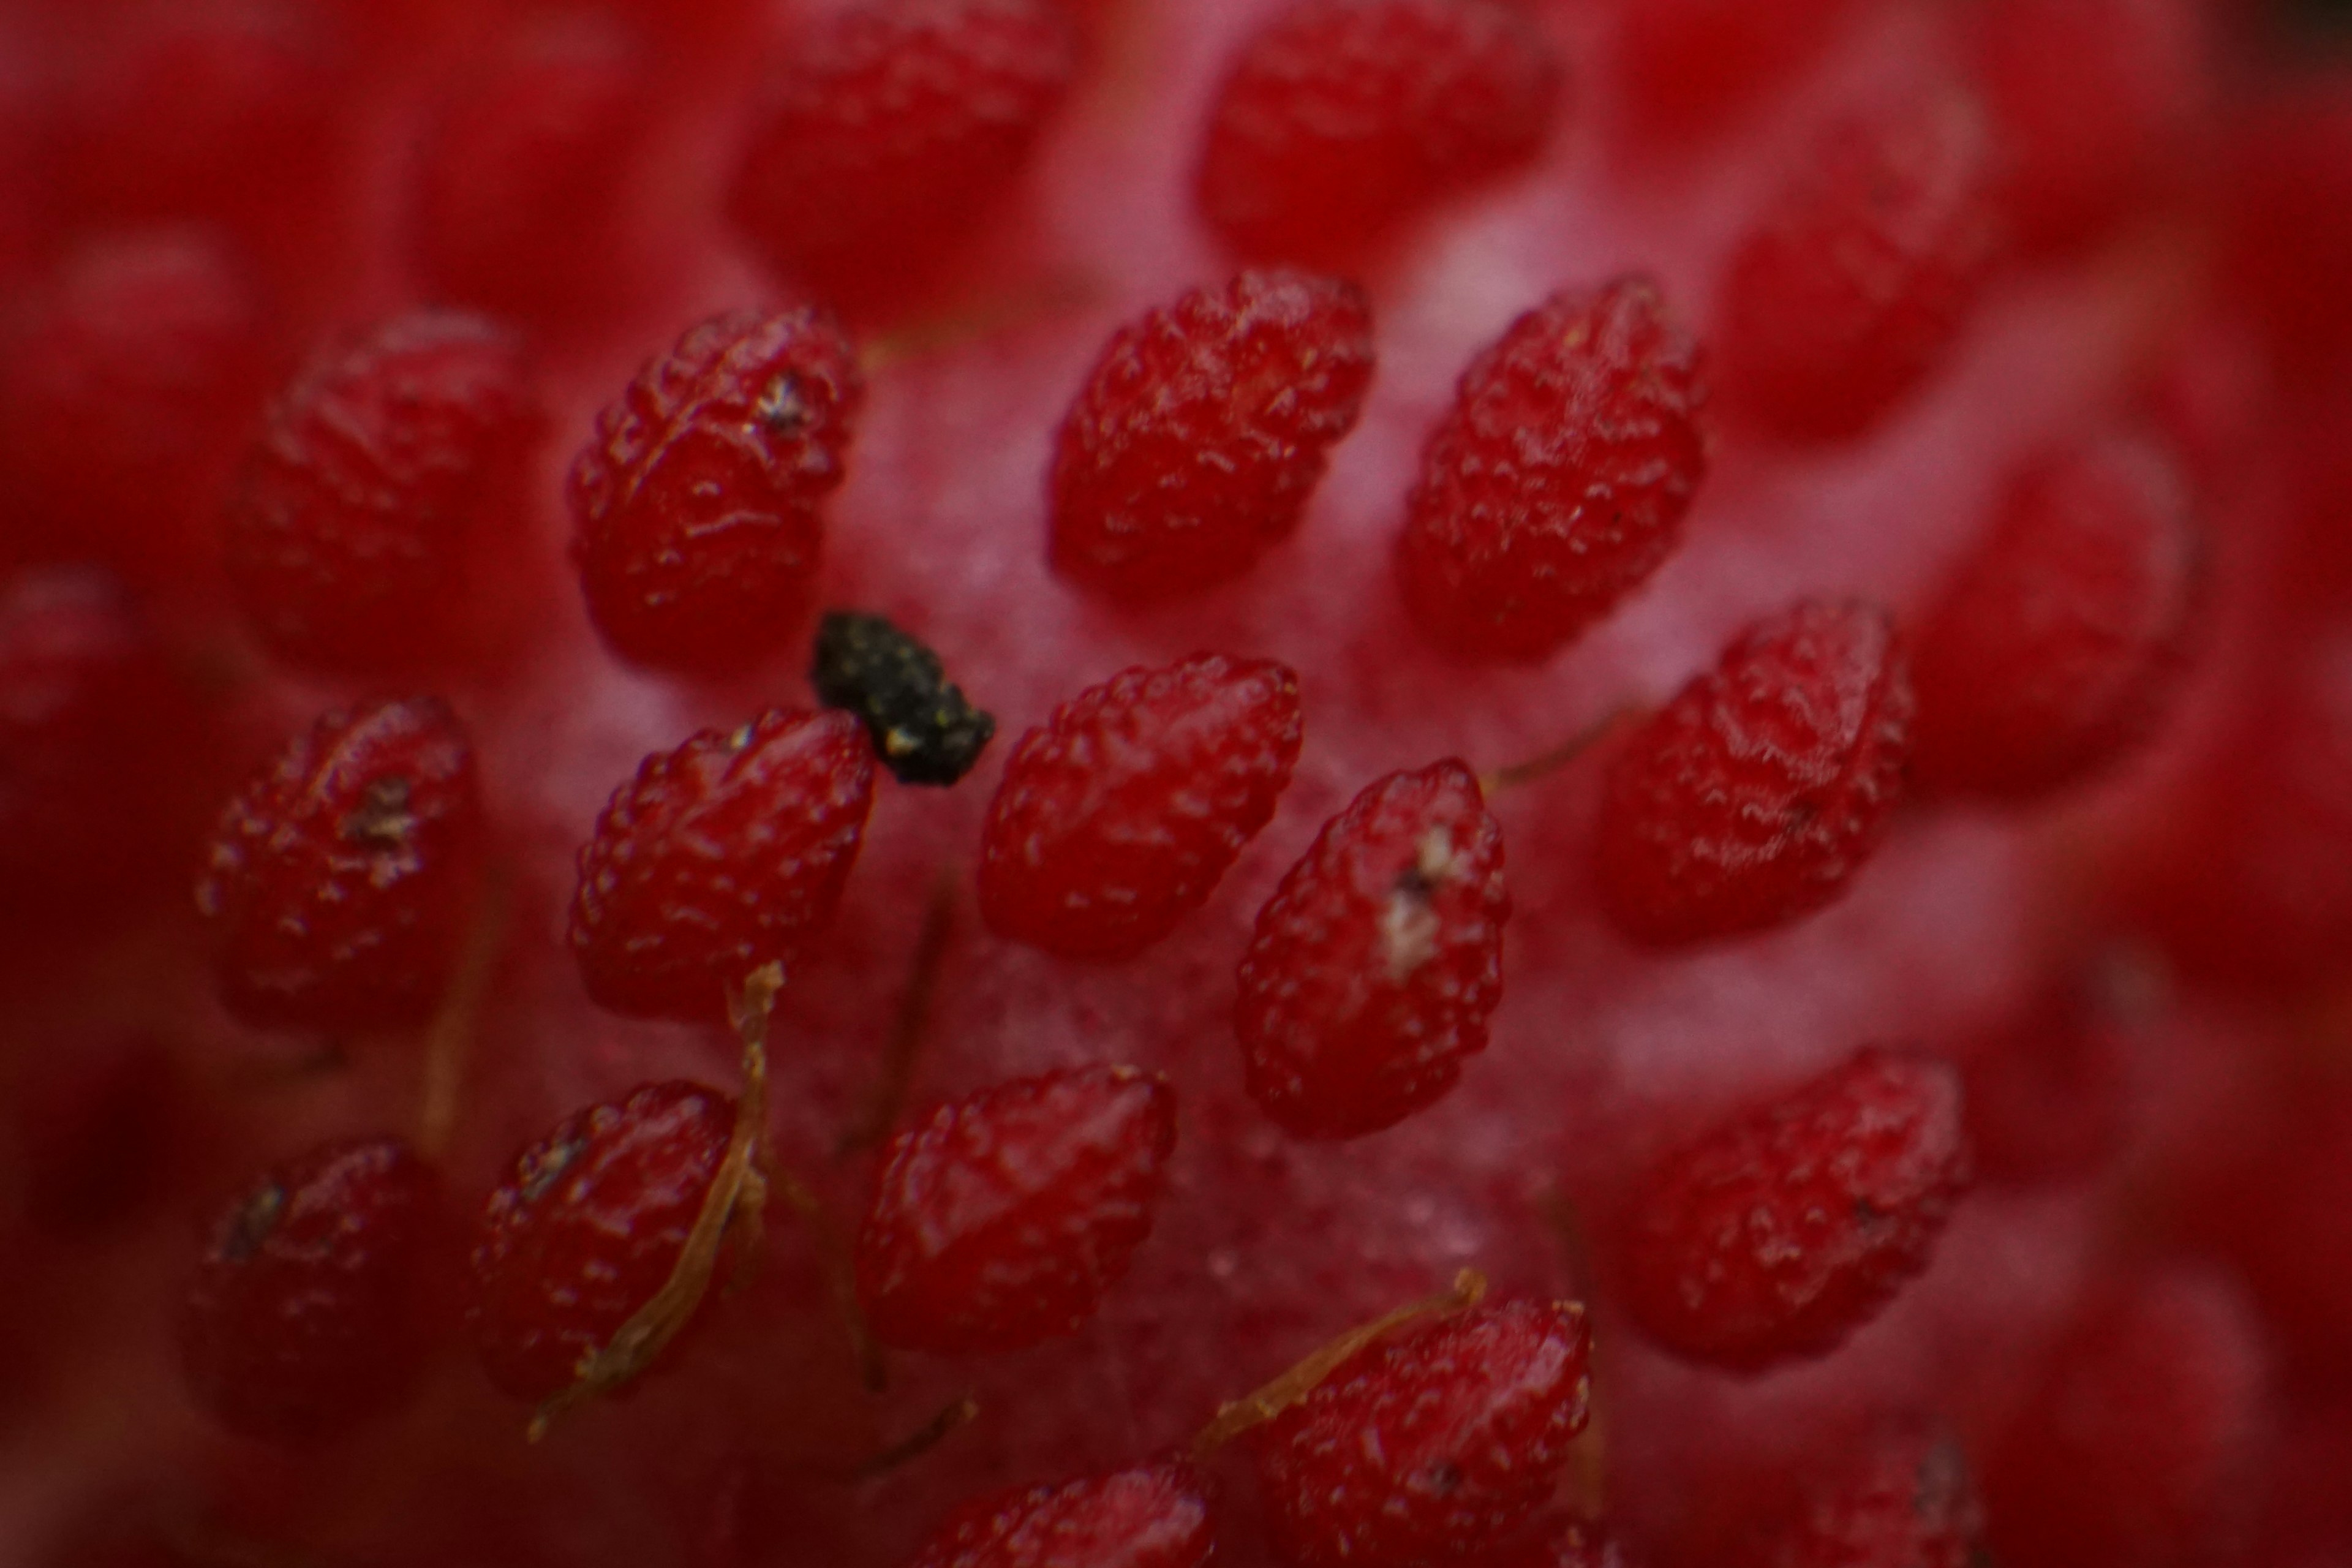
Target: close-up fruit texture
1102,783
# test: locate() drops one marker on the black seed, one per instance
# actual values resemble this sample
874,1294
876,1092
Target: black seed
924,729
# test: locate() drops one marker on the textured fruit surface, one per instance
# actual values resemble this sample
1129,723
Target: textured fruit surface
339,878
310,1311
2289,171
2048,1090
1203,431
999,1221
2137,1445
1760,790
1782,1231
516,195
128,386
1117,818
2296,1264
1378,960
85,696
1152,1517
219,109
2059,638
1847,296
2205,301
1340,119
695,499
1557,483
2251,887
383,487
2090,99
585,1226
1433,1447
1577,1543
1907,1501
725,854
90,1137
891,130
1690,65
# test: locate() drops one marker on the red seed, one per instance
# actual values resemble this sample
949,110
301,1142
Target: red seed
1378,960
1435,1446
127,387
1203,431
2090,101
2060,638
587,1227
384,494
1851,289
1557,483
2289,187
2137,1447
1573,1544
696,502
1577,1543
1760,790
339,880
891,131
2304,444
695,23
2209,400
725,854
2279,1210
1776,1234
1692,65
1341,121
2249,885
24,178
520,184
223,109
1119,817
91,722
1154,1516
1906,1501
309,1312
1000,1220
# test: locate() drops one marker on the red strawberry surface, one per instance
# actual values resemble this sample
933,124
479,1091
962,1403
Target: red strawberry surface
1910,279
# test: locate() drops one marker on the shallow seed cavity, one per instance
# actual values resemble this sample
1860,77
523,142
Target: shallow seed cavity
251,1224
548,1168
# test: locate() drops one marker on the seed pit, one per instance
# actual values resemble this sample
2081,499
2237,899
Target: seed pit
548,1168
783,408
254,1220
381,816
1408,922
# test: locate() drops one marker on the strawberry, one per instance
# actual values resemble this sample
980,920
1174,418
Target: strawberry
983,714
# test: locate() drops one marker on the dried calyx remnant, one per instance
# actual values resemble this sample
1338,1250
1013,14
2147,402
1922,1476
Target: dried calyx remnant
925,730
1263,1405
732,1211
